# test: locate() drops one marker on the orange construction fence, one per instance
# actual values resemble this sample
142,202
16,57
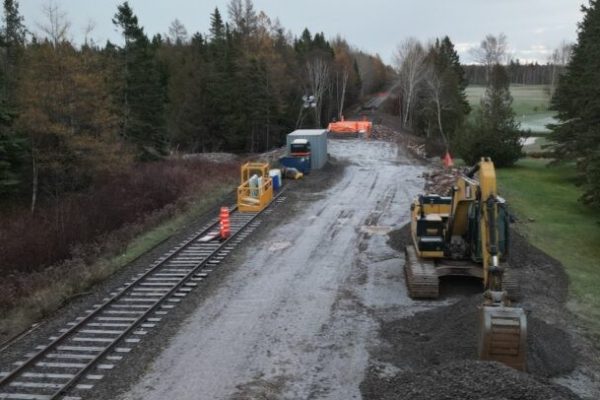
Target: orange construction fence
351,127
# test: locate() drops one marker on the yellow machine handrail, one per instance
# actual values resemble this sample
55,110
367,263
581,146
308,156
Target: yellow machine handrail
254,168
255,198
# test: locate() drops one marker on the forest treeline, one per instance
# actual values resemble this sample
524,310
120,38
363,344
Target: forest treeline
519,73
70,113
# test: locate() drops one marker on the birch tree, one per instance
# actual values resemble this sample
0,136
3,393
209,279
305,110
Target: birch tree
492,50
435,85
410,63
558,62
318,78
57,26
343,82
177,33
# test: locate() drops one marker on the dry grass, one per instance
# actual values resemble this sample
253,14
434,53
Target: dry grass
29,294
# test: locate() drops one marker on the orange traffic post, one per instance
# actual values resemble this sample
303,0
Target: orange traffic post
448,162
225,223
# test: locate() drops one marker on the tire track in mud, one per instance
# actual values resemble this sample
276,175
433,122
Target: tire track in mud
300,317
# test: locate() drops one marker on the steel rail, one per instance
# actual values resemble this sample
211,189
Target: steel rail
139,319
26,364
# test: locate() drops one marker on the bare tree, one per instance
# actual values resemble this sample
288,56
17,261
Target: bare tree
56,27
410,63
318,80
87,31
177,32
558,62
243,16
492,50
344,84
236,12
436,84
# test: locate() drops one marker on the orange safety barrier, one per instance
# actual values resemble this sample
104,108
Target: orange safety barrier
225,223
351,127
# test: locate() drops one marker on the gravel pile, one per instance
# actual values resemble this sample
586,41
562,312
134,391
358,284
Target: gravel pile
382,132
441,181
443,335
467,380
436,350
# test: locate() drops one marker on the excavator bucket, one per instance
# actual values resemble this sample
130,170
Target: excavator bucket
503,336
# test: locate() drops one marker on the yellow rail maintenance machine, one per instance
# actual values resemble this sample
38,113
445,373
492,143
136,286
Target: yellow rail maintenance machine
256,191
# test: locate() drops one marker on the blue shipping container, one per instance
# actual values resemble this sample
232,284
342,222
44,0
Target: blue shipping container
302,164
318,145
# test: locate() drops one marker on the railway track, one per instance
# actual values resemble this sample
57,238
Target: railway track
76,357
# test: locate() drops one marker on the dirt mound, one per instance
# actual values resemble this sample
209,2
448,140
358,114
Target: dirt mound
382,132
440,181
445,337
466,380
550,350
446,334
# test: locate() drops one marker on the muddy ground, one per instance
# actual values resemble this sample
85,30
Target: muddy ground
314,306
294,318
435,351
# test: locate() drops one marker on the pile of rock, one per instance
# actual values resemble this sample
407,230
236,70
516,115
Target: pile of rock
440,181
417,149
468,380
382,132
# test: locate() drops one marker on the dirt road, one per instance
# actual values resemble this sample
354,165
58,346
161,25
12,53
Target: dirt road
294,321
315,307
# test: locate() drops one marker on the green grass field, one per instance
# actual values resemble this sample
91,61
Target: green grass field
562,227
530,103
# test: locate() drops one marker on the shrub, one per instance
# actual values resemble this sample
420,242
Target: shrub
32,242
494,132
477,140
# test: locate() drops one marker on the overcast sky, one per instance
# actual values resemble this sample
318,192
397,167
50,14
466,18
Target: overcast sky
533,27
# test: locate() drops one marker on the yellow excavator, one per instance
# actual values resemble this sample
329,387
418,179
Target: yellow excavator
466,234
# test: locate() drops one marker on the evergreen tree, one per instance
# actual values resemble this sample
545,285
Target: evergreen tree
494,133
12,42
308,47
446,105
217,27
577,102
143,94
13,146
12,158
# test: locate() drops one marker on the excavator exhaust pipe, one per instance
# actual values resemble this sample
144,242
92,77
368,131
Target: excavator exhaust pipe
503,336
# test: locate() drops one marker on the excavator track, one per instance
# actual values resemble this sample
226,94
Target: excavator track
421,277
503,336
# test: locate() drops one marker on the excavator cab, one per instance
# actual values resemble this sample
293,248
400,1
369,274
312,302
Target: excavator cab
467,234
